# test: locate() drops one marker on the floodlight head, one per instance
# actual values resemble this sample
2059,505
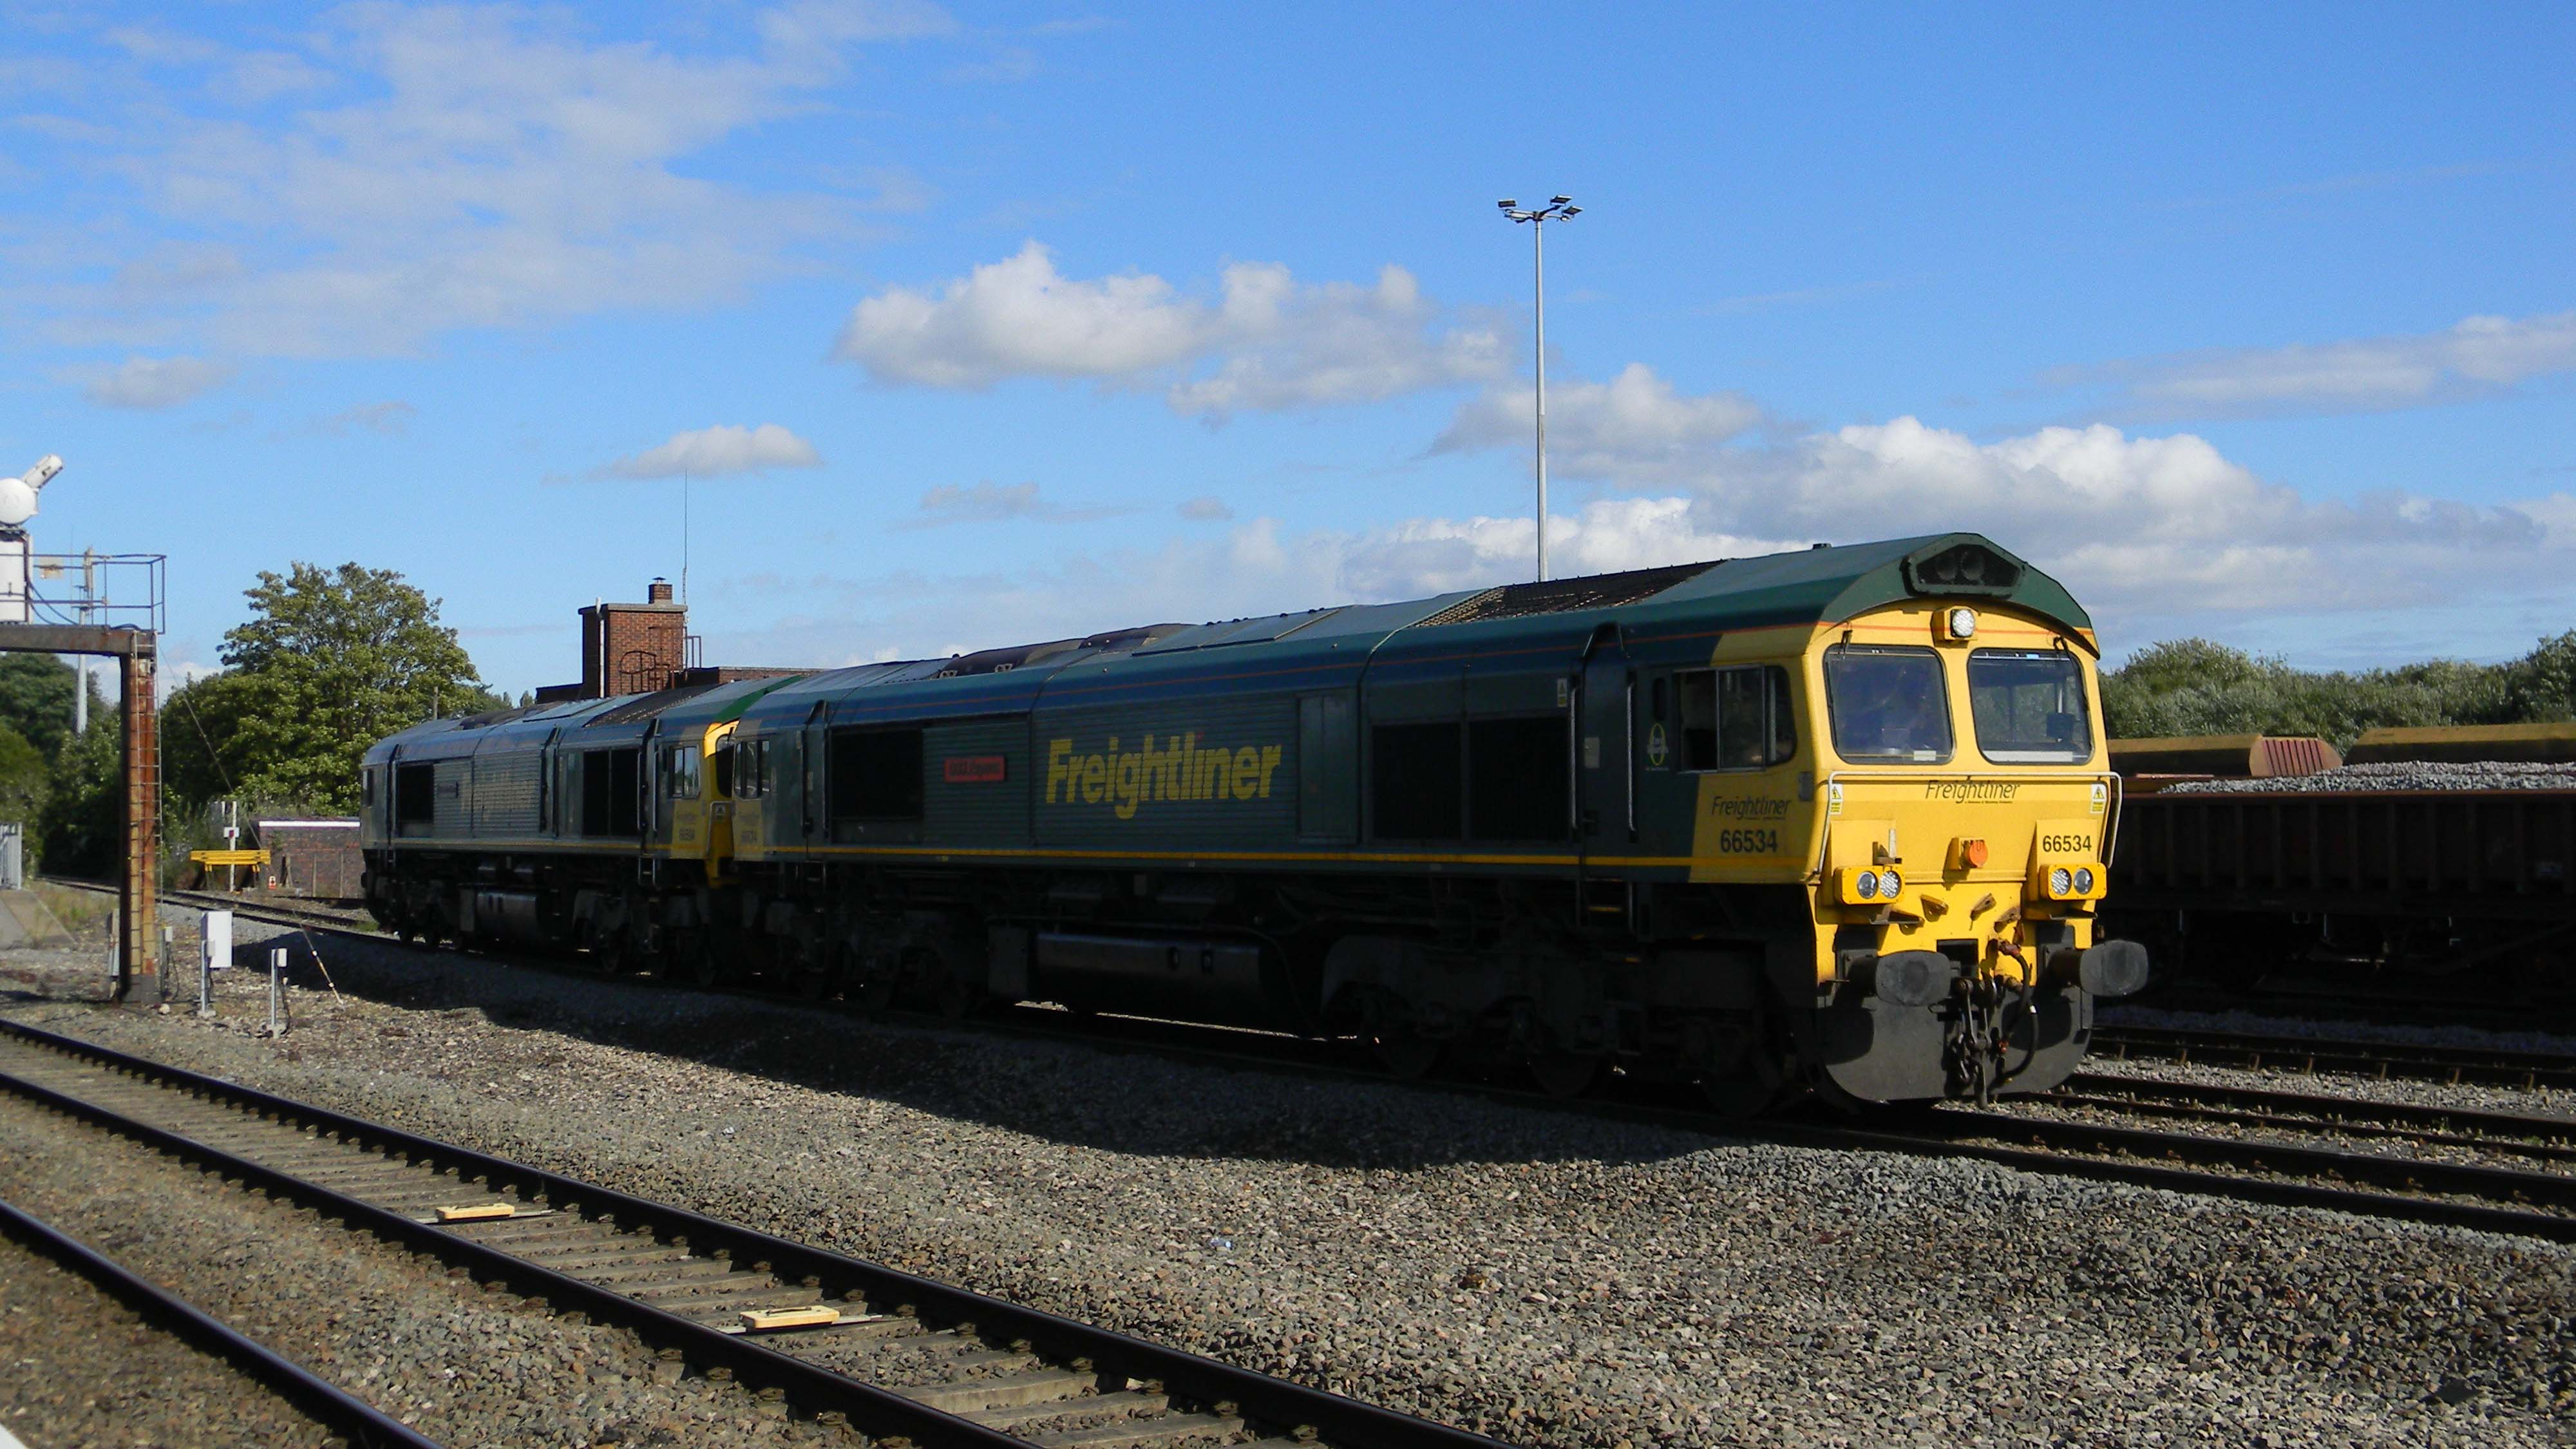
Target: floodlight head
18,495
1559,200
1573,211
1506,203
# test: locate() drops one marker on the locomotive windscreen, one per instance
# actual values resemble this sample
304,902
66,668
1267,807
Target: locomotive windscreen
2029,707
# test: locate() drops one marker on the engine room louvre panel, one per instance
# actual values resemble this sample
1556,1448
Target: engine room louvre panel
967,806
451,821
608,793
505,792
1415,780
1517,785
1167,774
874,786
415,799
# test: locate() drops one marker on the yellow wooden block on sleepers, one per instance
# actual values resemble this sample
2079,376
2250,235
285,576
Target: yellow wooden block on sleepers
477,1213
762,1319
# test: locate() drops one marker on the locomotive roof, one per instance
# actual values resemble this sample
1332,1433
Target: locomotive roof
1815,586
1821,585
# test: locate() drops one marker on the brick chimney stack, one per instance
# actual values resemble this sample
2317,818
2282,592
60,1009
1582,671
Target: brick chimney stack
628,648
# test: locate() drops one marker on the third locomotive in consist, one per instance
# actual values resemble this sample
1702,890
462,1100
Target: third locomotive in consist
1831,821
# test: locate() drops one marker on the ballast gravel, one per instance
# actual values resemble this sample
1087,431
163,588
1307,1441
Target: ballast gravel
465,1367
78,1367
2396,775
1542,1276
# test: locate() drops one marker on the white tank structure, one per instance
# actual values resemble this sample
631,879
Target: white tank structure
17,505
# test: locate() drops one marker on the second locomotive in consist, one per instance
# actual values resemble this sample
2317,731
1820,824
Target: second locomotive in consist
1834,820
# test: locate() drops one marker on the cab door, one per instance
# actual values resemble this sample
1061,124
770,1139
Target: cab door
1606,734
720,790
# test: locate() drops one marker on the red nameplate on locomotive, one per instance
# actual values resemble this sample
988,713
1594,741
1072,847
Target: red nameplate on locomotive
972,769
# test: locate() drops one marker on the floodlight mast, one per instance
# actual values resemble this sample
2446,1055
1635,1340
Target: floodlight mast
1558,208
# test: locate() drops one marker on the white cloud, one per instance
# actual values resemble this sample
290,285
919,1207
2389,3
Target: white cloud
990,502
151,383
389,418
803,24
2478,357
460,167
718,452
1018,318
1268,342
1633,428
1206,509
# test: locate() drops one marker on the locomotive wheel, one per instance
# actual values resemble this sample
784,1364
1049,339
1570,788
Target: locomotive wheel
1407,1053
1740,1096
1564,1074
875,991
694,957
953,998
813,975
609,955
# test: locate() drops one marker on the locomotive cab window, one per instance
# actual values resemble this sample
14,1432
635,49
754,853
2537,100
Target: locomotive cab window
1888,704
680,769
1734,719
750,778
724,770
2029,707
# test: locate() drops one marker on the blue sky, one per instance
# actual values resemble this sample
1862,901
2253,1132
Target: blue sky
997,322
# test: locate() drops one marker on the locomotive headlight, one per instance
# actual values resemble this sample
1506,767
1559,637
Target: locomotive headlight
1962,623
1890,884
1865,884
2061,881
2084,880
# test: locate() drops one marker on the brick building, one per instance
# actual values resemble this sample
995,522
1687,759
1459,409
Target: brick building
628,648
639,648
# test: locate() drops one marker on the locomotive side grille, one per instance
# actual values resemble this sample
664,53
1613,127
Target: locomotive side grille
1559,596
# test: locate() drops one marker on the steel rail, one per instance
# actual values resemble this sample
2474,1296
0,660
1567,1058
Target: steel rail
324,1401
1342,1422
2488,1186
2337,1056
2551,1138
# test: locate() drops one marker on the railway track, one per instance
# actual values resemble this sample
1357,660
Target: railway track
350,1418
2540,1139
2321,1056
2536,1204
889,1353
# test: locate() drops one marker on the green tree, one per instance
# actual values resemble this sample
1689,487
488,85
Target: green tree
2195,687
329,662
25,776
36,699
79,826
205,727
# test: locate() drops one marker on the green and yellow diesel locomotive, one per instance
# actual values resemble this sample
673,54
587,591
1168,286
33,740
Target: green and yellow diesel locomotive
1833,821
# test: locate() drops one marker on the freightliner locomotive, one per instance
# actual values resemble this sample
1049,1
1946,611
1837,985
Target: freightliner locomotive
1830,822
